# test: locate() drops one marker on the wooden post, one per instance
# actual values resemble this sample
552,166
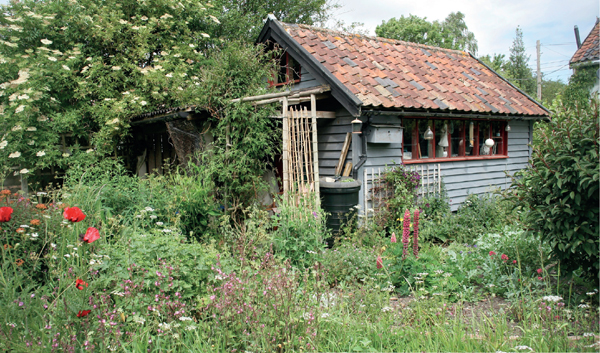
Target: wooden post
285,151
345,148
315,143
365,192
539,72
439,179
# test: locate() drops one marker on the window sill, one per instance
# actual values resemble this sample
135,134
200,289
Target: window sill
451,159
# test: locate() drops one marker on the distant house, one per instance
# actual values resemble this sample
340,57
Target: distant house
588,52
400,92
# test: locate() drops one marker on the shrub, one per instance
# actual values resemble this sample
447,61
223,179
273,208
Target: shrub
478,215
348,264
559,191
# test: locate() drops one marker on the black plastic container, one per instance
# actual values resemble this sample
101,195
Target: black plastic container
338,198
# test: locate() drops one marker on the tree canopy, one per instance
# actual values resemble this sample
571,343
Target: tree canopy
452,33
78,71
518,65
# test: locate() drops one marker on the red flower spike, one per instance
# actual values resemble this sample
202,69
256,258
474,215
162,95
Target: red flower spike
83,313
405,233
73,214
379,262
91,235
539,271
514,262
504,257
393,240
5,214
79,284
492,253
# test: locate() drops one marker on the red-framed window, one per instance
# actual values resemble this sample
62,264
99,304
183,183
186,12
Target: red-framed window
453,139
289,71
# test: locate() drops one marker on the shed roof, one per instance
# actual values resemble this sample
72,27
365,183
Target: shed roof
589,50
390,74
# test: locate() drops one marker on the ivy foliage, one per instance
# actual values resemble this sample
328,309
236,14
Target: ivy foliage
559,191
245,140
580,84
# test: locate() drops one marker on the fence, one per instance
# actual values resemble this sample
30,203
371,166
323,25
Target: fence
374,195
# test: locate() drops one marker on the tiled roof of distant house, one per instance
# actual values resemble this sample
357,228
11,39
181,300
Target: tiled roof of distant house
589,50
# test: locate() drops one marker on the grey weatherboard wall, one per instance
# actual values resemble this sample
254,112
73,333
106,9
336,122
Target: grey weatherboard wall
461,178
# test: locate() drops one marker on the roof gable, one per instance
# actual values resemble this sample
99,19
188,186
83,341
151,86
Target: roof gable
388,74
590,48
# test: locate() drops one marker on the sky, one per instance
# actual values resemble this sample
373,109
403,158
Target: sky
494,23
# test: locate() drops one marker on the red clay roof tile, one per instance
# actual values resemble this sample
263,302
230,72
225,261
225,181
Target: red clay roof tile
388,73
590,48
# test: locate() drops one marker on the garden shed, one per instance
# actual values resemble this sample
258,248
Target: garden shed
435,109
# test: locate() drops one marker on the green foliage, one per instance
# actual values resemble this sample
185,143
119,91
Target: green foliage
84,69
299,230
517,67
244,134
154,252
452,33
349,264
244,20
399,187
476,215
577,92
422,276
559,192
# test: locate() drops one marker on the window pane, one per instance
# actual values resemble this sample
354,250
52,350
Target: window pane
484,134
282,74
471,138
294,68
457,145
497,136
424,147
409,140
441,138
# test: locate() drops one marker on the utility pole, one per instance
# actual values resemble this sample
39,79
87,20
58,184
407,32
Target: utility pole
539,73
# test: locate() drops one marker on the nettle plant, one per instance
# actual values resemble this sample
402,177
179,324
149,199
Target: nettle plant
73,73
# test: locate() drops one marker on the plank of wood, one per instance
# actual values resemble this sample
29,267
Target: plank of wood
340,165
347,170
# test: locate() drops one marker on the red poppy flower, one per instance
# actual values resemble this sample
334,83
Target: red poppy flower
379,262
83,313
492,253
5,213
73,214
393,240
79,284
539,271
91,235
